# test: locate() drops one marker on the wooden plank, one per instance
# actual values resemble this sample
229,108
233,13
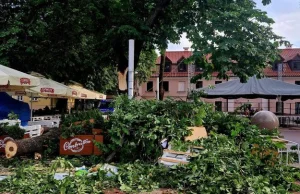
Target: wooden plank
280,140
172,160
198,147
177,152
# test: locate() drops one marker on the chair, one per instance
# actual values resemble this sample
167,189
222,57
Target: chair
33,131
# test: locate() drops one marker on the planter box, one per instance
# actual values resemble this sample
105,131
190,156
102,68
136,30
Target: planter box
97,131
84,122
77,145
98,138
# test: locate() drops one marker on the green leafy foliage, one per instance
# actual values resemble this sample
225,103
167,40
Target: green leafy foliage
223,167
13,131
81,123
91,37
237,157
12,116
137,127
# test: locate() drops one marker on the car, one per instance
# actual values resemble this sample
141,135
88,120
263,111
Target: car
106,106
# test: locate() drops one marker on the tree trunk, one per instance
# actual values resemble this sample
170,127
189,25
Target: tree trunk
161,75
30,145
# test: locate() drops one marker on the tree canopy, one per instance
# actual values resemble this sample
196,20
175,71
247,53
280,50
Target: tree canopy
87,41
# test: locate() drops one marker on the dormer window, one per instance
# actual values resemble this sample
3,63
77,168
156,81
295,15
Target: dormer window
168,66
296,65
198,69
275,67
182,67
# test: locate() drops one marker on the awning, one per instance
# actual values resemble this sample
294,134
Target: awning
254,88
12,80
88,94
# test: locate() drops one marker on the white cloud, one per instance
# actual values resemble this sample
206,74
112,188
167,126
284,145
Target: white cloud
184,42
288,26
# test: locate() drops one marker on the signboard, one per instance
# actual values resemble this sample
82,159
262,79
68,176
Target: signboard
77,145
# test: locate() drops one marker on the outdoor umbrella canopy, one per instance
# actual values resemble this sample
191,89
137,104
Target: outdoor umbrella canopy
11,79
48,88
88,94
52,88
253,88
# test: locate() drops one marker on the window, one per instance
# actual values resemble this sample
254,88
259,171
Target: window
20,98
297,108
150,86
198,69
296,65
218,106
297,82
181,86
279,107
168,66
199,84
166,86
182,67
218,82
275,67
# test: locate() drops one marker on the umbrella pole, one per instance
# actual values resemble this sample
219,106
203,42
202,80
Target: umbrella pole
31,107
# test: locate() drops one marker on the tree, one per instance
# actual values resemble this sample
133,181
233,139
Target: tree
87,36
161,90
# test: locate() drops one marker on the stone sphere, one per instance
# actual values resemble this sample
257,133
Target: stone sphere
265,119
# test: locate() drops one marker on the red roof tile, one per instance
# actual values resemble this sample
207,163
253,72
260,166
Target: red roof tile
175,56
287,55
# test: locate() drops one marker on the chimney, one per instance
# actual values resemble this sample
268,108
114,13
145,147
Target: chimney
289,46
185,48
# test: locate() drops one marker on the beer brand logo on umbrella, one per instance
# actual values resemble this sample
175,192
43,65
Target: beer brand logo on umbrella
83,95
76,144
24,81
47,90
74,93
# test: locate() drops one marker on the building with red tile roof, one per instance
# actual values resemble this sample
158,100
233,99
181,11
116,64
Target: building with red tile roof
177,84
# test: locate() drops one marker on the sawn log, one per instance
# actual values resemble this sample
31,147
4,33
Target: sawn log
26,146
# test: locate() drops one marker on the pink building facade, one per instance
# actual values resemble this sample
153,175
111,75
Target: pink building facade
177,85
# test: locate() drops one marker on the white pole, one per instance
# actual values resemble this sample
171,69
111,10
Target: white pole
130,68
157,88
31,107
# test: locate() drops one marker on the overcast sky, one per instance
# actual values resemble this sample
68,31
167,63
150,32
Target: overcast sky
285,13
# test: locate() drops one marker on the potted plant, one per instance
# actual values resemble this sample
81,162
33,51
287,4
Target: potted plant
78,132
12,116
